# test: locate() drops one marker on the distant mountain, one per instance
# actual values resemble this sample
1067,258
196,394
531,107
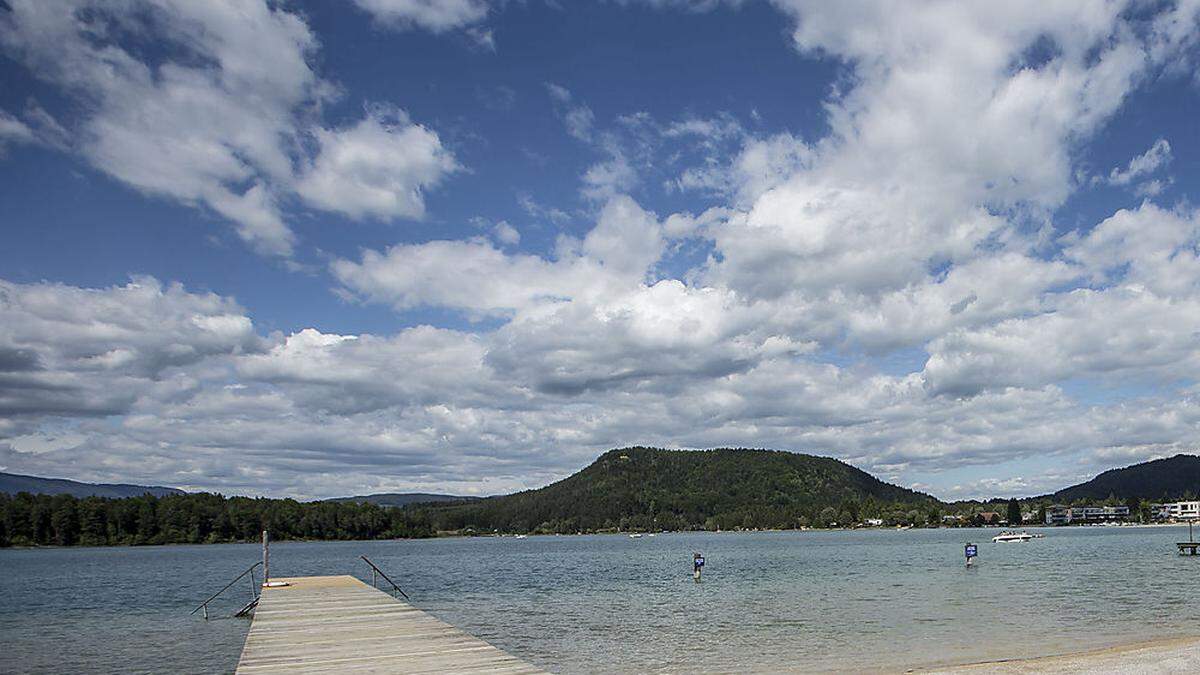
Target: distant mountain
649,488
1167,479
12,483
401,498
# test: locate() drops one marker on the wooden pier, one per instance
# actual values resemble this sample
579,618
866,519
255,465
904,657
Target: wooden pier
336,624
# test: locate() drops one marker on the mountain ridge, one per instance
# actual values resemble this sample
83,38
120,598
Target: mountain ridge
401,499
13,483
1165,479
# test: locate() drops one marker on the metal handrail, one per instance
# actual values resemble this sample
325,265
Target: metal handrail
375,570
204,605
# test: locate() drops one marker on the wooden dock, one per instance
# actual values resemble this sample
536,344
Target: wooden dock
336,624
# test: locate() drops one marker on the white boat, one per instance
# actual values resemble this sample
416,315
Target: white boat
636,535
1011,537
520,536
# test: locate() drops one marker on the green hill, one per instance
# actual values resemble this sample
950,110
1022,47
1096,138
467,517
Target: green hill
1167,479
651,489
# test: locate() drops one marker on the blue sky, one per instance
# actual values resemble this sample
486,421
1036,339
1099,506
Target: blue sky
467,246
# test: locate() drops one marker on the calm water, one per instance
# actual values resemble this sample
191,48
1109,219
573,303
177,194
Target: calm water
771,600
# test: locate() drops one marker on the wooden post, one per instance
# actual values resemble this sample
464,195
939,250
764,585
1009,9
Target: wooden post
266,558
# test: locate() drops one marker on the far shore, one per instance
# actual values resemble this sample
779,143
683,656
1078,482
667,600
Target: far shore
451,534
1160,657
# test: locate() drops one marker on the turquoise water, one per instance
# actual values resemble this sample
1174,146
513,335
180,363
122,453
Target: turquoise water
769,600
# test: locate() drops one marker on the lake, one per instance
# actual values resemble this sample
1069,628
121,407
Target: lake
879,599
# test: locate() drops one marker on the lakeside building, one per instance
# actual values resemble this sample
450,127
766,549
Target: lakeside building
1068,515
1098,514
1058,515
1176,511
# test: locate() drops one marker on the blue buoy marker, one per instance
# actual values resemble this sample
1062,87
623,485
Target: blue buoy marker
970,551
697,566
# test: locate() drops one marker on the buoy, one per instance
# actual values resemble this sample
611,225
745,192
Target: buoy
697,566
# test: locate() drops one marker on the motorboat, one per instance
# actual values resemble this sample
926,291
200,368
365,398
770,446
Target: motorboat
636,535
1011,537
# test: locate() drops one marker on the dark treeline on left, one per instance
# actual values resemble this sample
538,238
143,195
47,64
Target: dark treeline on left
63,520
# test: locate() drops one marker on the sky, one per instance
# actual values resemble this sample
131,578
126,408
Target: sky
314,249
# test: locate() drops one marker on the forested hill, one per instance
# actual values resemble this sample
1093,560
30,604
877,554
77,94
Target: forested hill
12,483
647,488
398,499
1167,479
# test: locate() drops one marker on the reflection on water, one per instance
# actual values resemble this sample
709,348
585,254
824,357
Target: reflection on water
770,600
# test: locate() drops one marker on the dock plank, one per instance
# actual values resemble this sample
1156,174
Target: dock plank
336,624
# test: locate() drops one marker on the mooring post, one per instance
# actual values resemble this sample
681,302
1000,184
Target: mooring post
970,551
697,566
266,559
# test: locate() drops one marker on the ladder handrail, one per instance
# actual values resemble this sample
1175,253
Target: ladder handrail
375,568
204,604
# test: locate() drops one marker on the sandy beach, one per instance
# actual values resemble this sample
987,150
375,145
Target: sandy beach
1178,655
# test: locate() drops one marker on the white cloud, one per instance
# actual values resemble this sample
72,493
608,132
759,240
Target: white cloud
13,130
922,225
157,384
433,15
1140,326
1157,156
617,253
70,351
220,122
378,167
506,234
578,118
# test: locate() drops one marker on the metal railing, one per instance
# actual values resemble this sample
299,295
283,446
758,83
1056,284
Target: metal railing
376,572
253,593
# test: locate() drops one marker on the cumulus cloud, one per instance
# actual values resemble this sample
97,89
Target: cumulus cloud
218,117
156,383
1139,323
72,351
945,247
616,253
378,167
923,225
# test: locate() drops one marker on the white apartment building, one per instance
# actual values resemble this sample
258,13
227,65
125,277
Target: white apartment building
1176,510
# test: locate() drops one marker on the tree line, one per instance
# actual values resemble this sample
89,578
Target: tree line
201,518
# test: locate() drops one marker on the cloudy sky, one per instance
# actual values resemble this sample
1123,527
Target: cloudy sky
326,248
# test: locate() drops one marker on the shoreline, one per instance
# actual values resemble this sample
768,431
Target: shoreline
1160,655
510,535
